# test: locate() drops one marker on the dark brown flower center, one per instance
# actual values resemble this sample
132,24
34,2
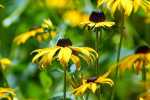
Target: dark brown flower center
142,49
64,42
97,17
92,79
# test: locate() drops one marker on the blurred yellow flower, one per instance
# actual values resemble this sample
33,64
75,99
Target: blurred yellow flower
137,60
1,6
7,93
74,17
145,96
127,5
97,20
92,83
4,62
40,33
64,51
57,3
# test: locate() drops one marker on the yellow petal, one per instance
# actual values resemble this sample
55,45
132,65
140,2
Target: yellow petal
93,87
41,53
81,50
148,56
76,61
100,2
81,89
115,5
136,4
64,55
47,58
105,24
92,51
7,90
127,6
104,80
128,62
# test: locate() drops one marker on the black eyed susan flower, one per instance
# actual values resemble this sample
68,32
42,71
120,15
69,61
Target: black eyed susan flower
92,84
64,52
4,62
137,60
7,93
40,33
97,20
127,5
74,17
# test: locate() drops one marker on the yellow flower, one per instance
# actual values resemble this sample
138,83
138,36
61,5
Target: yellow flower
137,60
64,52
40,33
74,17
127,5
4,62
7,93
92,83
97,20
57,3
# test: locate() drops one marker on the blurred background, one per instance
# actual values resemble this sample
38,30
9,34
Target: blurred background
32,83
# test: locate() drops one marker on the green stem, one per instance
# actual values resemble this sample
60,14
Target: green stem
65,82
118,55
143,73
97,49
98,37
3,81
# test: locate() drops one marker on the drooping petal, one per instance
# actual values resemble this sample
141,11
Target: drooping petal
100,2
93,87
136,4
47,58
81,89
76,61
127,6
41,53
115,5
128,62
104,80
92,51
64,55
81,50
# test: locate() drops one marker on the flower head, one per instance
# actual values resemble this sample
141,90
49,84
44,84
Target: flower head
92,84
127,5
97,20
40,33
137,60
7,93
64,52
4,62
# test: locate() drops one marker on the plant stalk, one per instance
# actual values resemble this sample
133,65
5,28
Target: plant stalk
118,54
97,49
3,81
65,70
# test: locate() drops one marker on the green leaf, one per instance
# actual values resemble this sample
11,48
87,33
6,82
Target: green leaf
45,80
